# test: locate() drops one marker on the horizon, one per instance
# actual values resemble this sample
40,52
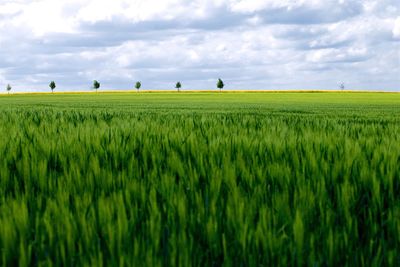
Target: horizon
269,44
134,91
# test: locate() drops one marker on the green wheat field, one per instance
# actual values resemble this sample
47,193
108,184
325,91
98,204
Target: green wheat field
200,179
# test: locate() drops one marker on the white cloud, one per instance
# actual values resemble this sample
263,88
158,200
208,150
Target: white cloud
257,5
10,8
137,11
332,55
39,17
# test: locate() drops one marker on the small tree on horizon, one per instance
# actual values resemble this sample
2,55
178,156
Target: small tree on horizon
342,86
220,84
178,86
8,88
96,85
52,86
138,85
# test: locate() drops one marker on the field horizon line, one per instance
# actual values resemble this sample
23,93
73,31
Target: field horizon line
110,91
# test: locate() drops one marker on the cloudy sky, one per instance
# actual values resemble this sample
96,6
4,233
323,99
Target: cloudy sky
250,44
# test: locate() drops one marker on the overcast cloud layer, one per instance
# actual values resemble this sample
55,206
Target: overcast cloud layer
250,44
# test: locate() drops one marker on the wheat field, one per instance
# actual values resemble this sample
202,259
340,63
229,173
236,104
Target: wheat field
200,179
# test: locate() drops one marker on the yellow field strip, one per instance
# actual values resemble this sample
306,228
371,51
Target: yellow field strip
195,91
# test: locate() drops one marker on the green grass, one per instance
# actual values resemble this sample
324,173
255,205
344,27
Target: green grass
200,179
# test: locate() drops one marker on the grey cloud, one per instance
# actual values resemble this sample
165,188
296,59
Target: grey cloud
330,12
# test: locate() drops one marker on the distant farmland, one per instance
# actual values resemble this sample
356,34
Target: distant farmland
200,179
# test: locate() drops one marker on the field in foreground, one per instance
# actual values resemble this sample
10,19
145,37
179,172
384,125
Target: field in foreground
206,179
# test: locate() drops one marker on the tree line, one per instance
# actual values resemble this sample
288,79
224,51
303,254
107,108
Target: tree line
138,85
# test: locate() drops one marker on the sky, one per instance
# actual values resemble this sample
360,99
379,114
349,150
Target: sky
249,44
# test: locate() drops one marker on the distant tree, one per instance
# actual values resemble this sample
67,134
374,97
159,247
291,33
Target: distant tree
96,85
8,88
342,86
138,85
220,84
52,86
178,86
